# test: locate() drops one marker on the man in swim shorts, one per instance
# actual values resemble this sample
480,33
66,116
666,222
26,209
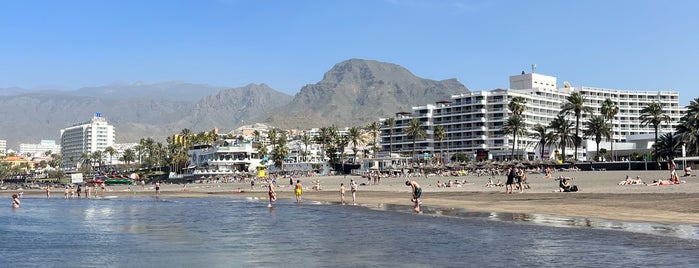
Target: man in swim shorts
298,190
417,192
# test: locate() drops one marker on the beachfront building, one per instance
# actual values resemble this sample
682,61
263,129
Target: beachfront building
86,138
39,149
473,121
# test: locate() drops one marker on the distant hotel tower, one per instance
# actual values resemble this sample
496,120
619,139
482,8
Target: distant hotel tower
88,137
473,121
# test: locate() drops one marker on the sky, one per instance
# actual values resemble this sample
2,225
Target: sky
621,44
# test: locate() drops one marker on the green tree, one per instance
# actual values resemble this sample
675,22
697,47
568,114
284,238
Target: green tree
576,105
515,126
609,110
96,157
56,161
439,135
306,140
597,129
415,131
668,147
688,127
653,115
355,137
540,135
111,152
280,152
562,133
373,129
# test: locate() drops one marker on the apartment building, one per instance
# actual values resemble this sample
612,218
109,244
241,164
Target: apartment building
89,137
473,121
39,149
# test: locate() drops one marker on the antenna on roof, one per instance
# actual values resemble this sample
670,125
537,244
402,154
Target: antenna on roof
534,68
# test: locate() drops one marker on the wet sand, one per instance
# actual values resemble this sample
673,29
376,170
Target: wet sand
600,196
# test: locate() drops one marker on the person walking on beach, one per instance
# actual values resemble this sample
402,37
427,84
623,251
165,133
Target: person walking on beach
511,174
353,189
48,191
87,191
79,191
342,193
15,201
157,188
272,195
298,190
417,192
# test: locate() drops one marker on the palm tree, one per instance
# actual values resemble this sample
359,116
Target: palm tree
373,129
609,110
439,135
517,105
186,133
354,136
280,153
84,159
129,156
668,146
56,160
688,127
272,136
540,135
516,123
97,157
390,124
653,115
597,128
515,126
415,131
306,140
576,105
111,151
562,134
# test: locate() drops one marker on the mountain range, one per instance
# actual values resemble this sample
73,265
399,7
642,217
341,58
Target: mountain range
351,93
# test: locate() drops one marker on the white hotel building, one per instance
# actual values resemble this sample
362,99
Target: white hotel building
88,137
473,121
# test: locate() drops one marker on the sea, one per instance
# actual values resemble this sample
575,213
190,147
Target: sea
243,232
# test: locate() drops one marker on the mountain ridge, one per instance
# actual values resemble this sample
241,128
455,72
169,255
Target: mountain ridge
352,93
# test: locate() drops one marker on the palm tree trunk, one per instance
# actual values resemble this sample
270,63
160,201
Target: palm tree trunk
577,127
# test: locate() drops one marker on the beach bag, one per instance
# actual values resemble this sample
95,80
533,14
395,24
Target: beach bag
574,188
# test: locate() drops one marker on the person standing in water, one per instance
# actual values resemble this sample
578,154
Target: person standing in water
157,188
342,193
353,189
298,189
272,195
417,192
15,201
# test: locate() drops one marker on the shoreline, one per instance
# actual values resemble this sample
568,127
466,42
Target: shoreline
600,196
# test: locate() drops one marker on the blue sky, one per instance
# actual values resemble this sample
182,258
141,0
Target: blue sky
623,44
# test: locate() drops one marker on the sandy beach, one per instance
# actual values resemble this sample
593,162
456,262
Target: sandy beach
600,196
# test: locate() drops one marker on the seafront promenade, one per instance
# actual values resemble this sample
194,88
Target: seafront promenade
600,194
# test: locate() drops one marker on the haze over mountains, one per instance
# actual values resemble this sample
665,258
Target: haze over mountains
353,92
